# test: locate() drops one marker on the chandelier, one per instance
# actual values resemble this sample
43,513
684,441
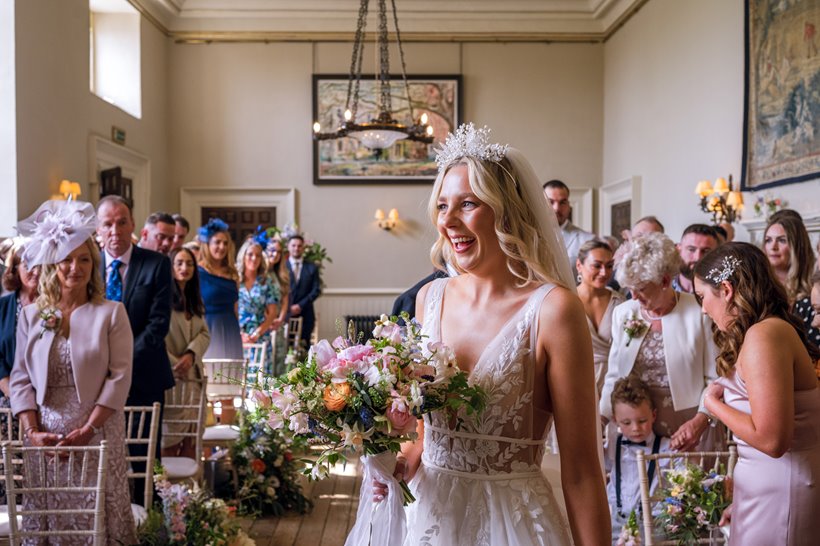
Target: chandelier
383,130
721,200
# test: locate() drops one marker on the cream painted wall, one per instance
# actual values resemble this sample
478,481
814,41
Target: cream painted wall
8,124
240,115
673,108
56,112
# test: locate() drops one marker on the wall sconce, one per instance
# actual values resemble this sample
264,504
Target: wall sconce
389,222
69,189
721,200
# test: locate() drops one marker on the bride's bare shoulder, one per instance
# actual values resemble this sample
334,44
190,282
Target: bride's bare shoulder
561,303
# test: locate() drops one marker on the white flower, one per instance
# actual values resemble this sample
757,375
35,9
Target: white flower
299,423
319,471
416,399
354,436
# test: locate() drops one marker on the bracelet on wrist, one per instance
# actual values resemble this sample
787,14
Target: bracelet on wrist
95,430
30,429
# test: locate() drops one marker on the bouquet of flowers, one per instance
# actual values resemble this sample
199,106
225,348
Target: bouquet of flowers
630,533
314,252
367,398
693,504
189,517
266,467
768,204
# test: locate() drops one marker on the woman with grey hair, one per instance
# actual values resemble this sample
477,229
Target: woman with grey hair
662,337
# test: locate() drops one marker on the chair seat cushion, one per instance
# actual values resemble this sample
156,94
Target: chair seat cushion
180,467
5,528
139,513
216,433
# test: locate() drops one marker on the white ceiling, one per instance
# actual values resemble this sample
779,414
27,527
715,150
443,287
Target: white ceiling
562,20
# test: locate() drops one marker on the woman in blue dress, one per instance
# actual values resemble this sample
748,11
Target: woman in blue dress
220,291
258,298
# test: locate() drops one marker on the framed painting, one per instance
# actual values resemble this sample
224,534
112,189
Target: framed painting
345,161
781,125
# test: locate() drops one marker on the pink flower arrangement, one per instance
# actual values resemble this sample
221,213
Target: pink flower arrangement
634,327
368,397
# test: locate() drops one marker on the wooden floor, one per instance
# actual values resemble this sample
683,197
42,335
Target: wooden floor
335,500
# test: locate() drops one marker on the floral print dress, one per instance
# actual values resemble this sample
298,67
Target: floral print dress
252,306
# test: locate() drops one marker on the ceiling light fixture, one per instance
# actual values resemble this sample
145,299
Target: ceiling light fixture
383,130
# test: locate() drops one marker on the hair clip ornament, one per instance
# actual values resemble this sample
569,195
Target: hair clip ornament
730,264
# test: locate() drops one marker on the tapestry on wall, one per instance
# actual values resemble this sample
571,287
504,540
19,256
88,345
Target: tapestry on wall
345,161
782,118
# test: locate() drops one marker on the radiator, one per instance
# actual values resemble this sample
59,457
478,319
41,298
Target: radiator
363,324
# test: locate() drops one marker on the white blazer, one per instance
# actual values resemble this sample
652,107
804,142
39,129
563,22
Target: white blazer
688,346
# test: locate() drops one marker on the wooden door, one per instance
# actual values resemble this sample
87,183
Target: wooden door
113,183
621,219
242,221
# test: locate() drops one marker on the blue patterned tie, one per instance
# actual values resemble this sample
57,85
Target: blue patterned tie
113,291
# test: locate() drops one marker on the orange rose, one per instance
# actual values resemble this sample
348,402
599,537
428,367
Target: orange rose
335,396
258,465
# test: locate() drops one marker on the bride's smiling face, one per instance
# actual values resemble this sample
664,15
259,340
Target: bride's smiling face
466,222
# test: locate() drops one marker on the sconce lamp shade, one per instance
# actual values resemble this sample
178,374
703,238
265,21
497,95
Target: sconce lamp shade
721,186
69,188
703,188
387,222
735,200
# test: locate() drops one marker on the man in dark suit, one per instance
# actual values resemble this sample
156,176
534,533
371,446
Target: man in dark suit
141,280
305,286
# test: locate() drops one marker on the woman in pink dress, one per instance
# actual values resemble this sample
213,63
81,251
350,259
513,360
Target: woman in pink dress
767,395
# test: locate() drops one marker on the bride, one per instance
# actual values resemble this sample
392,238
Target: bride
521,334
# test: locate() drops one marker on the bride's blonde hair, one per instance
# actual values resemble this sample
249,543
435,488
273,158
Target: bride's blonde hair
498,185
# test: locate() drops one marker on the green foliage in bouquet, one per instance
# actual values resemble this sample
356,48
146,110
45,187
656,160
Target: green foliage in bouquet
693,503
367,397
189,516
267,467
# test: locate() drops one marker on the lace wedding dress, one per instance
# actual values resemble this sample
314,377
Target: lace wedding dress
482,484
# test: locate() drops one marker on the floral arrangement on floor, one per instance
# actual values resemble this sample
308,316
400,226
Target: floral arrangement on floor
630,533
266,467
367,398
693,503
189,516
768,205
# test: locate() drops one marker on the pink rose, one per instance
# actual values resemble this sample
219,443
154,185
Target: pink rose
403,422
323,353
356,352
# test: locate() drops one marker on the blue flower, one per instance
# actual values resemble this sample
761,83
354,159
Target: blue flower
366,416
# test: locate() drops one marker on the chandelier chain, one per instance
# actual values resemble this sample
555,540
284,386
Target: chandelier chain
385,99
356,60
403,65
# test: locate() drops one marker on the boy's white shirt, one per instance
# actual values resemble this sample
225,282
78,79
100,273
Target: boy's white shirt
630,479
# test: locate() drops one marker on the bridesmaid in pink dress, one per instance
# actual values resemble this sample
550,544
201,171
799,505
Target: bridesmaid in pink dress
767,395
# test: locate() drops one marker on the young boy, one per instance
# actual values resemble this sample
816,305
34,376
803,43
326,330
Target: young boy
633,414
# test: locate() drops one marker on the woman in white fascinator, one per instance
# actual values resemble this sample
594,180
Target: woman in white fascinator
519,330
72,368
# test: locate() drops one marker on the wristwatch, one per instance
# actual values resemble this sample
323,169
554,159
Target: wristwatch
95,430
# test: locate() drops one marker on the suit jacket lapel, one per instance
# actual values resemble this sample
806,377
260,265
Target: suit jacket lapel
134,269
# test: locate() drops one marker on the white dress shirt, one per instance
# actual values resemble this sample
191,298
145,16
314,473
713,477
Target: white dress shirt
124,259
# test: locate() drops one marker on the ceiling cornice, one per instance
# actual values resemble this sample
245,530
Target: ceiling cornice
262,21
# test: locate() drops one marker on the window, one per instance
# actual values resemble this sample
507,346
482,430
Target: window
114,54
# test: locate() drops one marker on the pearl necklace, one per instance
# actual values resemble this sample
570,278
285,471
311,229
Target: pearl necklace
645,312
